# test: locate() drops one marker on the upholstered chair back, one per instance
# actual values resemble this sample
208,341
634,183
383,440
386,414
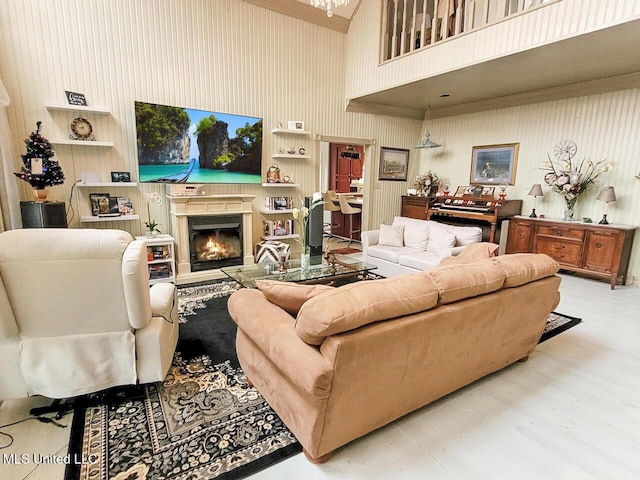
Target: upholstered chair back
70,281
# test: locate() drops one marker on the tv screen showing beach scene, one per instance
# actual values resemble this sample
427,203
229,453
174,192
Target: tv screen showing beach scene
185,145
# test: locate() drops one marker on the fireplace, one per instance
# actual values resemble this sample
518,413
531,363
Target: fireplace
215,242
199,222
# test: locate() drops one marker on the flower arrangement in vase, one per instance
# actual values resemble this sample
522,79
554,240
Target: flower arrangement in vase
152,225
570,179
426,182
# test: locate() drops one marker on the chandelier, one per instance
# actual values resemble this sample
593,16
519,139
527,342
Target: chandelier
328,5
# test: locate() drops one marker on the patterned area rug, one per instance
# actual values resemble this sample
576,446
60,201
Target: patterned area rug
558,323
202,422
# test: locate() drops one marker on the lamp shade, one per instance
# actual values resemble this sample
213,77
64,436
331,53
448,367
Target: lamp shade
607,195
427,142
536,190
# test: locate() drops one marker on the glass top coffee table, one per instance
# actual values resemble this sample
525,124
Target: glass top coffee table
344,267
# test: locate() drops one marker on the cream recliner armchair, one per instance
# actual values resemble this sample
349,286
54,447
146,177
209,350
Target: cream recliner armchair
77,314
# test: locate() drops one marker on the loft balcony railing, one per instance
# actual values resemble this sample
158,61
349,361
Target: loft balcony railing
409,25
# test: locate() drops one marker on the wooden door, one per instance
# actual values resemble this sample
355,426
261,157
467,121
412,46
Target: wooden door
520,238
600,248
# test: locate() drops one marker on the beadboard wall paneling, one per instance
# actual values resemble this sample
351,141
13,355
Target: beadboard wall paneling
554,21
223,55
603,126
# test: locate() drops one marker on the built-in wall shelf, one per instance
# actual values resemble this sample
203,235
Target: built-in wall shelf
288,155
77,108
83,143
280,237
274,212
119,218
107,184
286,131
280,185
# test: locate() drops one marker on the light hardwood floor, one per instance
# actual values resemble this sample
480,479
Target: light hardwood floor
571,412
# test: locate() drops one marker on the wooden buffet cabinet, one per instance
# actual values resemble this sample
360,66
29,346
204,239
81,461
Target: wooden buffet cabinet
594,249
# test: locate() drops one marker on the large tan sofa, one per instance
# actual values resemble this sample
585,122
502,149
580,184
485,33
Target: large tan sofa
357,357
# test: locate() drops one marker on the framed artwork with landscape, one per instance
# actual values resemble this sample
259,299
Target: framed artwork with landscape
494,164
394,163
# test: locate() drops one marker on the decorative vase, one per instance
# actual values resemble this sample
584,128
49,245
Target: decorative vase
305,259
40,194
569,210
151,234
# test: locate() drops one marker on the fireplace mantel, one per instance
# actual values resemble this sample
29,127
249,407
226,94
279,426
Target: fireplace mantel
183,207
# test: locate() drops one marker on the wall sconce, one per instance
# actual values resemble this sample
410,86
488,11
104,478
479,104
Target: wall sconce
536,191
606,195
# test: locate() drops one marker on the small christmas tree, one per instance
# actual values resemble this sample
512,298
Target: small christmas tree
38,167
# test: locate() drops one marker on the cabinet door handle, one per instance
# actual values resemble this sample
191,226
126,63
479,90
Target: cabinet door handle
558,233
598,245
522,235
557,257
560,247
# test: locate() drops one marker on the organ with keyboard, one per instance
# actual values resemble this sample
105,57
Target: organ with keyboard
471,209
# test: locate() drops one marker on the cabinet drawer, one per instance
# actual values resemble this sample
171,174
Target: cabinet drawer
569,253
564,231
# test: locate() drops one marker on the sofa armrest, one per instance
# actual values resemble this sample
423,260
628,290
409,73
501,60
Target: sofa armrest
368,238
271,330
164,302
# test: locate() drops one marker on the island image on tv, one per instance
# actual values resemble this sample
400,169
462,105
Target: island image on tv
184,145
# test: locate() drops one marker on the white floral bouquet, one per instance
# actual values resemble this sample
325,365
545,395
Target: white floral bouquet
571,179
425,181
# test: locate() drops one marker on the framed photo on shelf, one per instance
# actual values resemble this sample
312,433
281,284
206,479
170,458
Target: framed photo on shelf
394,164
120,176
494,164
295,125
99,203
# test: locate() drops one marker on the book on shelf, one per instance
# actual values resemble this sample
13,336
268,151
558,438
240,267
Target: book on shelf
278,228
159,252
278,203
104,205
159,270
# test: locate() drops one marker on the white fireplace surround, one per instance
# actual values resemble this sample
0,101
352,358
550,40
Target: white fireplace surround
183,207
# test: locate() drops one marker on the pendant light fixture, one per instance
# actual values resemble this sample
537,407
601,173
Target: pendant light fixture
426,141
328,5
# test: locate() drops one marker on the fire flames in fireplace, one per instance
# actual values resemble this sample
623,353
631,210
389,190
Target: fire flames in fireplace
218,247
216,242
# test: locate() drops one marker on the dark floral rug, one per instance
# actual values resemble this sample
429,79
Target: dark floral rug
202,422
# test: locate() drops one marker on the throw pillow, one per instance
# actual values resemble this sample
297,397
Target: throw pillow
416,232
439,240
391,236
289,296
472,253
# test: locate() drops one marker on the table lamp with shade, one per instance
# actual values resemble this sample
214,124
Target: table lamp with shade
536,191
607,195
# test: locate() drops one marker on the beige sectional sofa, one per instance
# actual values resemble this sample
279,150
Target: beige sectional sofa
337,363
419,245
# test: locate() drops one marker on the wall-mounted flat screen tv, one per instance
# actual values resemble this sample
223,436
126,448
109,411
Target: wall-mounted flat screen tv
184,145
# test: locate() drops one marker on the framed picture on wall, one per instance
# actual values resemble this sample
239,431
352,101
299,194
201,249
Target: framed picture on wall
494,164
394,164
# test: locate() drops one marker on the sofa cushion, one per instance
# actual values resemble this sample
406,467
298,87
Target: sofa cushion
440,240
288,295
391,236
357,304
456,282
390,254
419,261
464,235
472,253
521,268
416,232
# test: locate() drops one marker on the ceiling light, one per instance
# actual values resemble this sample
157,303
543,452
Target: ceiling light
329,5
426,141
